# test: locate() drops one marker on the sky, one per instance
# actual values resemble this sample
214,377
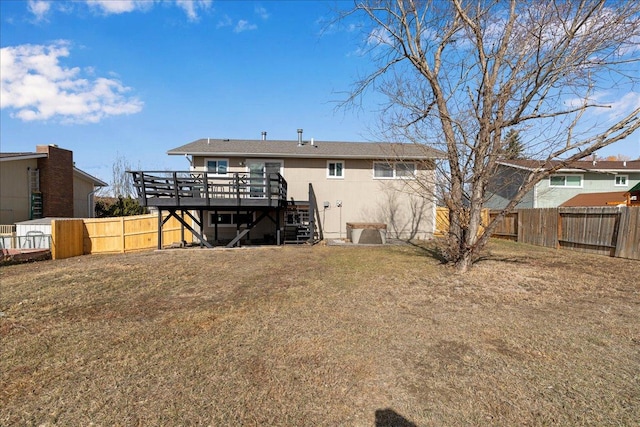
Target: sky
131,79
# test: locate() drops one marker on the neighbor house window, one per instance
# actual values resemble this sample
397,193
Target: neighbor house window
229,219
217,166
622,180
394,170
335,169
570,181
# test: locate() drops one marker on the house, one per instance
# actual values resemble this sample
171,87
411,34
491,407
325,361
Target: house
44,183
633,196
579,177
328,184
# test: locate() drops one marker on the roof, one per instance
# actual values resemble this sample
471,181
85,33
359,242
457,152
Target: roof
6,157
597,199
96,181
635,188
315,149
606,166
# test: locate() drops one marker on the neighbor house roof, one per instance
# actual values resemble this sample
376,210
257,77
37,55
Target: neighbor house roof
634,188
315,149
606,166
7,157
597,199
96,181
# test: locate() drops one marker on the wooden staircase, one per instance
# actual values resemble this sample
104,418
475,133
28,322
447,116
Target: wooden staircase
297,227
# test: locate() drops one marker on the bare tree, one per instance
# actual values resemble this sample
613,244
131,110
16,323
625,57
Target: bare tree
122,182
459,74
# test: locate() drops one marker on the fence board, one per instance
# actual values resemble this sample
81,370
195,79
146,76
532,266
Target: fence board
538,227
507,228
442,221
66,238
612,231
129,234
589,229
628,244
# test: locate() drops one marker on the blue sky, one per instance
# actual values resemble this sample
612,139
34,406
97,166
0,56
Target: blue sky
152,76
137,78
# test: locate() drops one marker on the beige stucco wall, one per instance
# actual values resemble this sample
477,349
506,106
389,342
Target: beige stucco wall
364,198
81,190
14,190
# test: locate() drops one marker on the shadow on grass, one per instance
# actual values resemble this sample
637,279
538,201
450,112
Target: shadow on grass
435,251
390,418
430,250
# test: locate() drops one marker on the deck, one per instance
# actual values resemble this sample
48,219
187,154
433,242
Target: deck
205,190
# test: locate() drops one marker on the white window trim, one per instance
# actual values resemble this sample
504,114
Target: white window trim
565,180
233,219
335,176
217,159
394,170
626,181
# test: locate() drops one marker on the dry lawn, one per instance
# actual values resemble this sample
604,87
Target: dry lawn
321,336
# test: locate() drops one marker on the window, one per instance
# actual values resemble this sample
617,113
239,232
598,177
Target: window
393,170
571,181
621,180
405,170
335,169
217,166
229,219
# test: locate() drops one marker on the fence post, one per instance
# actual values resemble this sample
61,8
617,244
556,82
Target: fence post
559,236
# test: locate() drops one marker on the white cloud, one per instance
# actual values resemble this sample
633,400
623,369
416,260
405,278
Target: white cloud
110,7
116,6
262,12
244,25
225,21
39,8
191,7
36,86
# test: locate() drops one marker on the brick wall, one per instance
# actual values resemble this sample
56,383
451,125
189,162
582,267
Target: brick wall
56,181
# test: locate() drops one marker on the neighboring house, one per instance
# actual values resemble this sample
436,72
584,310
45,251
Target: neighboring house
633,196
44,183
388,183
579,177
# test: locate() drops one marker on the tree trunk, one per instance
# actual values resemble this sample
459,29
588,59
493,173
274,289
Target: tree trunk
464,263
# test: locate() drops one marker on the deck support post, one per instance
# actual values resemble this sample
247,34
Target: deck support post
160,223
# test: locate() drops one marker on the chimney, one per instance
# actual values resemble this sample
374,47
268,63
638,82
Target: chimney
264,135
299,137
56,181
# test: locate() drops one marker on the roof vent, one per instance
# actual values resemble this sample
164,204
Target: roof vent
624,163
299,137
264,135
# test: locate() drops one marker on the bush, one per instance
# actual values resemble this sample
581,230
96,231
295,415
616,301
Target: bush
107,207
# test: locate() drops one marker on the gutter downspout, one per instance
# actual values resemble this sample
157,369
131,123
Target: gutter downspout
92,208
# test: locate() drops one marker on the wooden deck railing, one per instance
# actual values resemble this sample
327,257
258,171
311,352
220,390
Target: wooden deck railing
195,188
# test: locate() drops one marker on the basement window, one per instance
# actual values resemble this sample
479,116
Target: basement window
567,181
229,219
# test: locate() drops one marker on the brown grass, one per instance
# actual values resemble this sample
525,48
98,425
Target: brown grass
321,336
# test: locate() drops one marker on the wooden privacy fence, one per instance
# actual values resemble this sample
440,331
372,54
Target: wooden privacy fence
73,237
442,220
612,231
